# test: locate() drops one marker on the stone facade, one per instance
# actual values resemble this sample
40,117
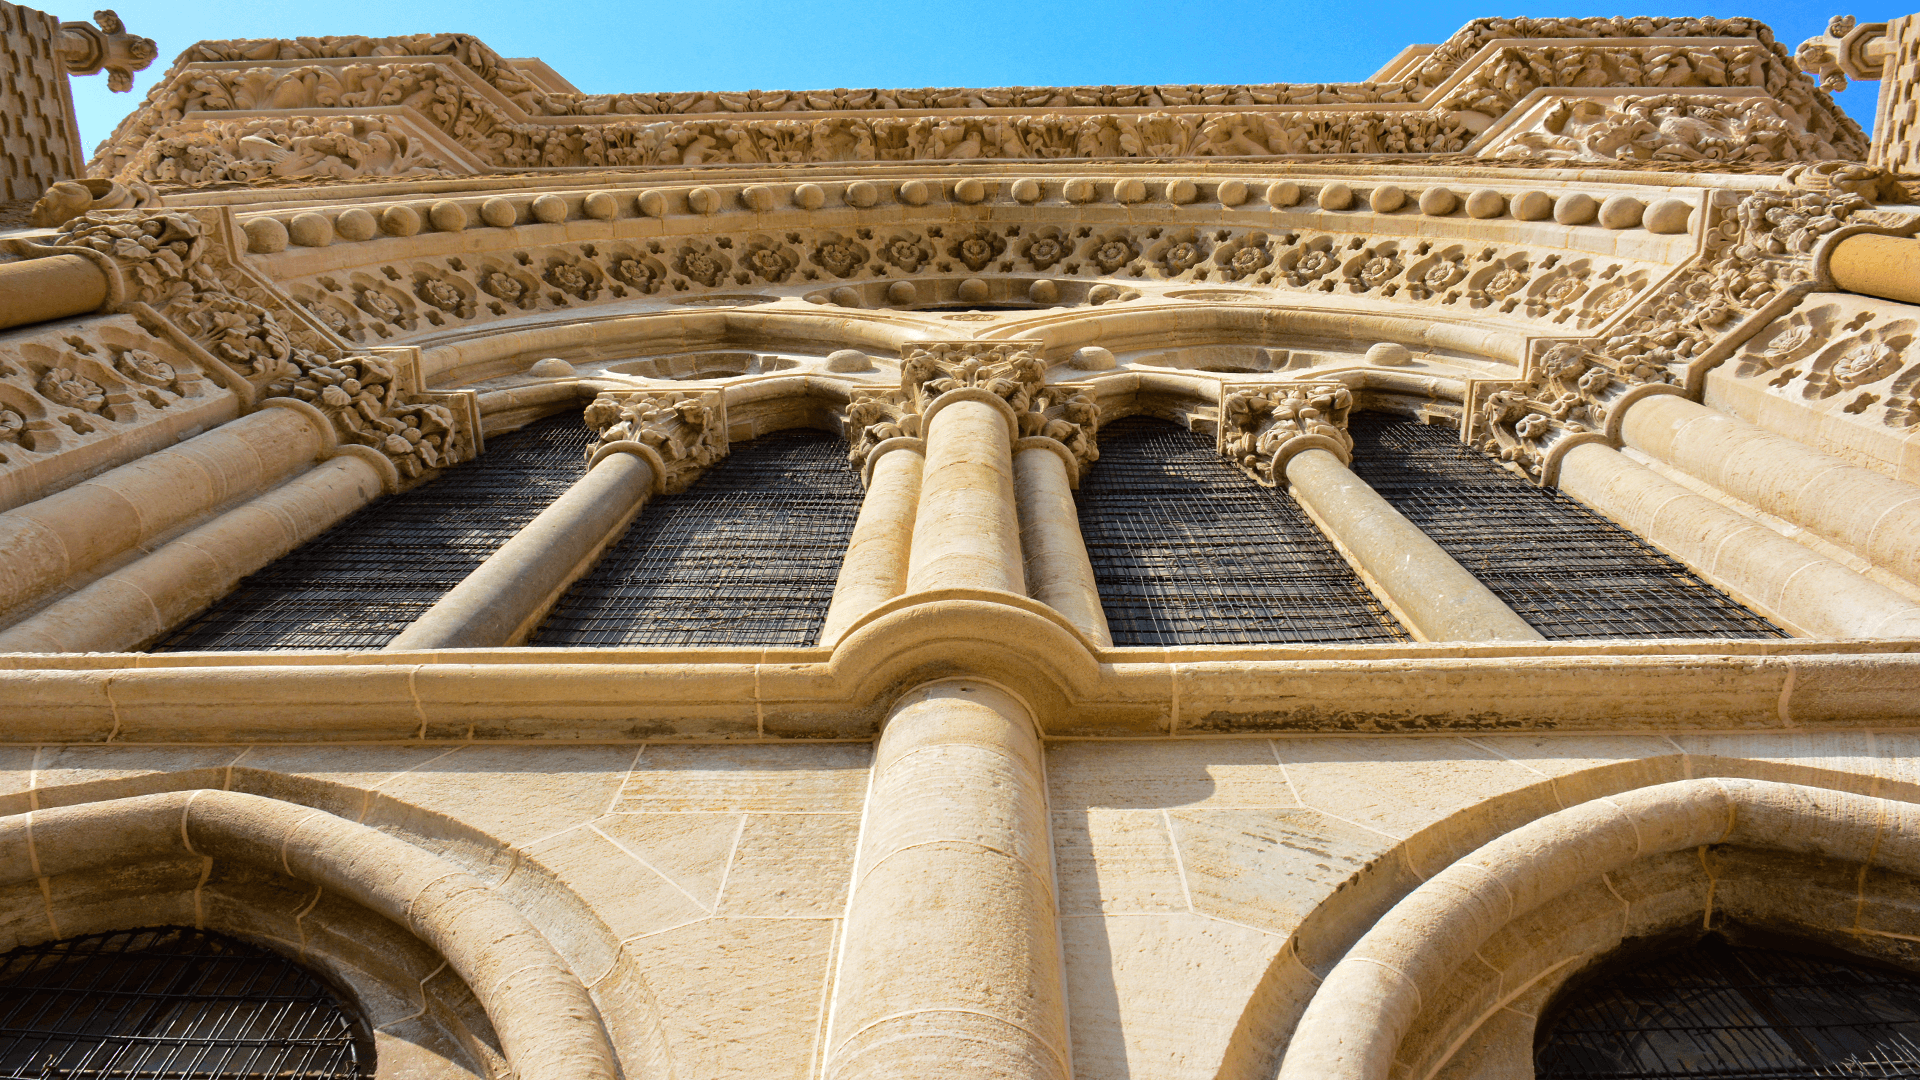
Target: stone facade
968,829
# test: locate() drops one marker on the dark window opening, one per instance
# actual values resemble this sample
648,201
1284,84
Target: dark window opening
1187,551
359,584
1560,566
169,1003
1713,1009
747,556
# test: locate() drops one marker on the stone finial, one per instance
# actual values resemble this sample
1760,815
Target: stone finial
87,50
1261,427
685,430
1848,50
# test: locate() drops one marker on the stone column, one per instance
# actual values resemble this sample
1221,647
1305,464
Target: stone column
951,963
505,598
48,288
1297,432
649,442
136,604
1058,572
874,569
1437,598
1875,516
966,531
1884,266
45,543
1810,594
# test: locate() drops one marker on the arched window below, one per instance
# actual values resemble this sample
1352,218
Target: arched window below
747,556
1187,551
357,585
1713,1009
169,1003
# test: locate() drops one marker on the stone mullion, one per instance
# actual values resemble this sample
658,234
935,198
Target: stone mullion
1059,573
874,569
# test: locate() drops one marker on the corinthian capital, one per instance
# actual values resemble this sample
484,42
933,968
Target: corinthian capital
686,431
1261,427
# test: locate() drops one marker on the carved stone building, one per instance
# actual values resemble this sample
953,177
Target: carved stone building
1416,578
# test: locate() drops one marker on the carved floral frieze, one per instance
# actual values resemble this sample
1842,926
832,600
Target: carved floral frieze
686,429
1671,128
68,386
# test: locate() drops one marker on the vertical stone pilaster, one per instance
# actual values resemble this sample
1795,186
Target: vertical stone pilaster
1059,574
951,963
874,569
966,531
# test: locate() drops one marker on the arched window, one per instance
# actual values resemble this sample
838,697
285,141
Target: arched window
170,1003
1187,551
1563,568
359,584
1720,1010
746,556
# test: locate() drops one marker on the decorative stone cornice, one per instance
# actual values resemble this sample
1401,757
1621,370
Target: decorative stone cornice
679,433
1262,427
447,102
1848,50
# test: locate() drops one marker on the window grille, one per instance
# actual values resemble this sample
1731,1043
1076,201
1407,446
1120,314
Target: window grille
170,1003
1187,551
1560,566
359,584
746,556
1735,1013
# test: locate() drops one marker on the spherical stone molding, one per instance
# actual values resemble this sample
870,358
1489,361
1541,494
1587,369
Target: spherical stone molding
1093,358
601,206
1027,190
549,209
1282,195
1621,212
1231,193
969,191
1576,209
499,213
914,193
653,203
1079,190
900,292
809,196
1533,206
849,360
1181,192
757,197
1438,202
1390,354
1486,204
861,195
266,236
703,200
310,230
1130,190
1386,198
1336,197
400,221
1668,217
355,225
447,216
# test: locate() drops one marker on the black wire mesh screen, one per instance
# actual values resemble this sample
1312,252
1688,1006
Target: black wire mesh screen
1563,568
359,584
746,556
1736,1013
1187,551
170,1004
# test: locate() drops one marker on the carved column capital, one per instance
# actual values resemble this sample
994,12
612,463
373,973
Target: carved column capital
86,50
1262,427
1065,412
680,433
1848,50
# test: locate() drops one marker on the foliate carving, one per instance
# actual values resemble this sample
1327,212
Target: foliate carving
172,261
687,430
1757,261
1847,354
1064,412
282,147
1436,67
368,405
87,50
1672,127
1261,427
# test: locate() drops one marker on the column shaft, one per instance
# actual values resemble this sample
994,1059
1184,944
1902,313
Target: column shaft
54,287
1058,572
1423,585
951,962
1784,580
137,603
505,597
966,533
46,542
1875,516
874,569
1883,266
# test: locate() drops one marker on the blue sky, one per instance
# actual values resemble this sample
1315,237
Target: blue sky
642,45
